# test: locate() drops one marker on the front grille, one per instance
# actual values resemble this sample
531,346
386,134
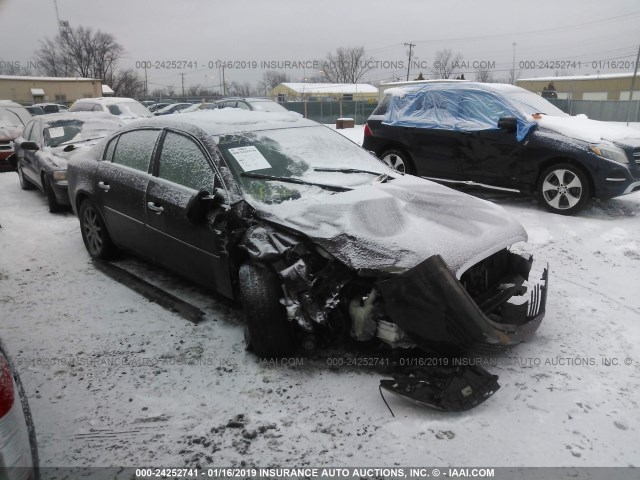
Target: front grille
636,156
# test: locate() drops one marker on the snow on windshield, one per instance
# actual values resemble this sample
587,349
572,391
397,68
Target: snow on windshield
297,154
529,103
62,132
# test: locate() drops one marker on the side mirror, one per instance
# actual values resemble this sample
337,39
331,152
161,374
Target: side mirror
201,203
31,146
508,123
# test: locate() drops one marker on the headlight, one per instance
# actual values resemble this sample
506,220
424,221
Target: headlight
611,152
60,175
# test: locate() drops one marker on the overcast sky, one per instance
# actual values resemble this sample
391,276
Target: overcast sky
585,35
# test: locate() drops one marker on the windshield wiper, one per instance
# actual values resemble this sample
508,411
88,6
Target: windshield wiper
78,141
346,170
262,176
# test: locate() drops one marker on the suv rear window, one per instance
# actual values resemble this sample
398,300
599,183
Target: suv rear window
383,106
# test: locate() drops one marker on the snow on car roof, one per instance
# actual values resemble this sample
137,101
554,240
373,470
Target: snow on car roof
331,87
227,120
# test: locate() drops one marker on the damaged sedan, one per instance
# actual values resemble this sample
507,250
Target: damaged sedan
319,240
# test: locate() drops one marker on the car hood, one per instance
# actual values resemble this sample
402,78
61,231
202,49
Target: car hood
396,225
59,158
9,133
582,128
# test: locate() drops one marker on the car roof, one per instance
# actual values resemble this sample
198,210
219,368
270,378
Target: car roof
225,121
107,100
52,117
460,85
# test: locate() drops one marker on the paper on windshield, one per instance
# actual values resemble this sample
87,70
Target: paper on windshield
56,132
249,158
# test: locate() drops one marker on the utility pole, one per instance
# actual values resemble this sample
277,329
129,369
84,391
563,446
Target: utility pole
410,45
146,82
182,75
633,83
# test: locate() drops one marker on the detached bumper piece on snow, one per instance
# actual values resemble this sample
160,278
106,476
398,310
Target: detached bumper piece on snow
434,308
451,389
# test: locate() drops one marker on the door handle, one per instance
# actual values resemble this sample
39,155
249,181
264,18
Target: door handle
156,208
104,186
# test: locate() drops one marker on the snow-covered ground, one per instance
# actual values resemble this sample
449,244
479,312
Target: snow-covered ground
117,380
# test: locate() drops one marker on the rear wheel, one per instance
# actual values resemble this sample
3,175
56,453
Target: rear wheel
24,183
268,332
94,231
398,160
564,188
54,206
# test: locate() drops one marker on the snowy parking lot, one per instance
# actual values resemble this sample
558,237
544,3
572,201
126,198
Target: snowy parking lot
116,380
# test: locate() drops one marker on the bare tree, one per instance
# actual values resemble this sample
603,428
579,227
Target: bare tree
14,68
80,52
194,90
484,76
445,63
237,89
272,78
346,65
126,83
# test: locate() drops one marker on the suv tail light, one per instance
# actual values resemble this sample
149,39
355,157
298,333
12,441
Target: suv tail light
367,130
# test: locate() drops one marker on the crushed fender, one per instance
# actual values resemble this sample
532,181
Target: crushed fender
450,389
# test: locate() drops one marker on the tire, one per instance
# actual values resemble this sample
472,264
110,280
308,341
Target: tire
402,163
94,231
564,188
24,183
54,206
268,331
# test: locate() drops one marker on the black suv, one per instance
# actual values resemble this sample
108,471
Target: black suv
505,137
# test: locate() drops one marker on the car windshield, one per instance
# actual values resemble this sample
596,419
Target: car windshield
289,164
529,103
61,132
125,108
267,106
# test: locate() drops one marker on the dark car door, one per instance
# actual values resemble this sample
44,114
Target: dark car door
195,250
489,155
121,183
30,167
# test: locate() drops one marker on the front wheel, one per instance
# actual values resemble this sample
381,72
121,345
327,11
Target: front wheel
564,188
94,231
54,206
268,331
398,160
24,183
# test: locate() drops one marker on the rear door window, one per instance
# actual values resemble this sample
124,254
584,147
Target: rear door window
135,149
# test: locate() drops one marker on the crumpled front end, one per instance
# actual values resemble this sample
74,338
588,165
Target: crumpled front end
482,313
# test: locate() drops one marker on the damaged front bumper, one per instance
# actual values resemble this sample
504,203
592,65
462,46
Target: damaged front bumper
436,311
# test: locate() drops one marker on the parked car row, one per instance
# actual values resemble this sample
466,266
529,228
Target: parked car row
505,137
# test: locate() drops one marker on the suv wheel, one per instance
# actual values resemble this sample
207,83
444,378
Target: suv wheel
564,189
268,331
398,160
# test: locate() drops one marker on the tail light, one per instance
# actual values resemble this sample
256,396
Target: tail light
7,395
16,461
367,130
